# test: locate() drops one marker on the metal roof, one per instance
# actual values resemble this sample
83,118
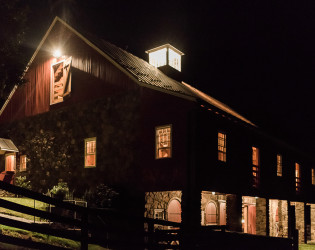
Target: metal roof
7,145
212,101
141,69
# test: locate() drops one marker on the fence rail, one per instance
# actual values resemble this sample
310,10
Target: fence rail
115,230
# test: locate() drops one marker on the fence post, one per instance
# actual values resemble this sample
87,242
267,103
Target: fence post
84,230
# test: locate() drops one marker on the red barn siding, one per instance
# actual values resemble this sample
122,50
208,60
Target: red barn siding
93,77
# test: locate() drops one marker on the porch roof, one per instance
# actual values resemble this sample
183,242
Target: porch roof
7,145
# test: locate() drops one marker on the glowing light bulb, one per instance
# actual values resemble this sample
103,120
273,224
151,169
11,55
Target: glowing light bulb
57,53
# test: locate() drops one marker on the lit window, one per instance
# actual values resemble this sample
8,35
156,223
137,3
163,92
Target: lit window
279,165
163,142
174,59
60,81
255,166
10,162
313,176
158,58
221,147
22,162
90,152
297,177
159,214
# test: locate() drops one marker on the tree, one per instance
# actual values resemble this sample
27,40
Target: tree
13,17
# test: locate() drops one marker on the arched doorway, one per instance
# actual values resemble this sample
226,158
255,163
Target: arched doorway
211,214
174,211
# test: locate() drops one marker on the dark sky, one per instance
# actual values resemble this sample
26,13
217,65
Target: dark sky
255,56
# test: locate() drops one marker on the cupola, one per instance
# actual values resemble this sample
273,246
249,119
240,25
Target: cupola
167,58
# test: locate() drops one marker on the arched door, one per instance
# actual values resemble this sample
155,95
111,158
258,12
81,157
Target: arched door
174,211
211,214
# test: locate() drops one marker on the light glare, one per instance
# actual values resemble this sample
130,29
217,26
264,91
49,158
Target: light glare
57,53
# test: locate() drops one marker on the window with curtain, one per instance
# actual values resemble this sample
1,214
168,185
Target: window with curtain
163,142
10,162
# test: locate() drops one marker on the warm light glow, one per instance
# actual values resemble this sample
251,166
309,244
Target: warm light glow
174,59
213,193
158,58
57,53
243,220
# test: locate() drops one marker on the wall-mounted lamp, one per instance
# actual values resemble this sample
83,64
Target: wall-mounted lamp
57,53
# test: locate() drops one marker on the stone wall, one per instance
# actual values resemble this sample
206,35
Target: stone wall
261,216
54,143
280,228
299,220
159,200
312,222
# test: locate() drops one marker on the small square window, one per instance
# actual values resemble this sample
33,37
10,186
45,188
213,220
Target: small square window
90,152
221,146
163,142
10,162
23,163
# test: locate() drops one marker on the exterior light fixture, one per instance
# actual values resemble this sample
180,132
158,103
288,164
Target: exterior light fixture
57,53
243,221
213,193
256,197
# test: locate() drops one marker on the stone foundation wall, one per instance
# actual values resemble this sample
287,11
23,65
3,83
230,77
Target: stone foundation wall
312,222
159,200
54,143
279,229
261,216
299,220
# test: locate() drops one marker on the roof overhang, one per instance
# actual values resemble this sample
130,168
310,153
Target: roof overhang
7,145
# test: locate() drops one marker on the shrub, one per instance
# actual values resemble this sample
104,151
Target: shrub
60,190
21,181
102,197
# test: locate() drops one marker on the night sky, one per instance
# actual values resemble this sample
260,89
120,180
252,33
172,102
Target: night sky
255,56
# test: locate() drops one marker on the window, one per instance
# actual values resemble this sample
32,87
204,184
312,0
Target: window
313,176
159,214
255,166
23,163
163,142
90,152
10,162
60,81
222,147
297,177
279,165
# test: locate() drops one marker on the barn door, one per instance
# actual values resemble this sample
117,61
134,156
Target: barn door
174,211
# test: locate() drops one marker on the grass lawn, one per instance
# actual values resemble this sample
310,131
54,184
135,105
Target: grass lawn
307,247
26,202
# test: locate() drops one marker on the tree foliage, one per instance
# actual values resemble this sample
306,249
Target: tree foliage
13,18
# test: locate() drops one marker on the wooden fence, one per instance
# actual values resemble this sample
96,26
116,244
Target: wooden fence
115,230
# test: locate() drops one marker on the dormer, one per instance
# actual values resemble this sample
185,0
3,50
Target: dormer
165,55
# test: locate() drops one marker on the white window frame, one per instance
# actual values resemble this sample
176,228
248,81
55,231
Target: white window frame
85,151
157,148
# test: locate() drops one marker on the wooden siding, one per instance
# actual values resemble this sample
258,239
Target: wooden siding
93,77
